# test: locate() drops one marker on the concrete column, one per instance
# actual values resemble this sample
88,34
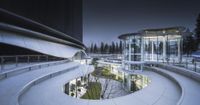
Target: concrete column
142,65
142,52
129,82
152,51
164,48
142,49
179,50
129,53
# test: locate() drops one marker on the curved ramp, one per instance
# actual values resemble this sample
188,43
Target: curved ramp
10,87
161,91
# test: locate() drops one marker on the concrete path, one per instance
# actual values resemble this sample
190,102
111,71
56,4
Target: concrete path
161,91
190,86
10,87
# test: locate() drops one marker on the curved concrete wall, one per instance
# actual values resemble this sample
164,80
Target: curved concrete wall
38,45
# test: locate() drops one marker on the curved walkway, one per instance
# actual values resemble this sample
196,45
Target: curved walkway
166,88
10,87
191,92
161,91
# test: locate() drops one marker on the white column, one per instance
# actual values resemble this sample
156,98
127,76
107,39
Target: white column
129,82
164,48
129,50
142,49
129,66
152,50
179,50
142,52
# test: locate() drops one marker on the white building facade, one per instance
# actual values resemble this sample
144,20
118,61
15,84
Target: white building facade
151,45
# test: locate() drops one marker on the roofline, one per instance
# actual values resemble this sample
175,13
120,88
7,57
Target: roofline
30,33
123,36
166,28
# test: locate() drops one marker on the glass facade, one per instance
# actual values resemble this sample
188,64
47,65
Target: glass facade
132,51
158,45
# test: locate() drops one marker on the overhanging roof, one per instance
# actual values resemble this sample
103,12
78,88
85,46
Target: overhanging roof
19,21
179,30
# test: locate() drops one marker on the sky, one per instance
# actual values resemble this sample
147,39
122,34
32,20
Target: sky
105,20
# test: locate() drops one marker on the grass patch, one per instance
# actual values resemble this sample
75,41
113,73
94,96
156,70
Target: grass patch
93,91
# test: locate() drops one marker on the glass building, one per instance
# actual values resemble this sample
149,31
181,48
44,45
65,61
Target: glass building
155,45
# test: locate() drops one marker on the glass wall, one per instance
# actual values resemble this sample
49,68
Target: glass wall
162,48
158,46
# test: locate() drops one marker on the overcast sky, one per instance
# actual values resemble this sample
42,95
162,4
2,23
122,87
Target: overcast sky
105,20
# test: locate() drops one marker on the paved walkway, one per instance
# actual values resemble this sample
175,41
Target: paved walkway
191,88
161,91
10,87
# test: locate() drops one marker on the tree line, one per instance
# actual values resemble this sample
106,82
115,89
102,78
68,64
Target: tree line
191,42
105,48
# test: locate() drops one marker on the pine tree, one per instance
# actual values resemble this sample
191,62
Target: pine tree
113,48
116,48
110,49
197,30
102,48
189,43
106,48
91,48
120,47
95,50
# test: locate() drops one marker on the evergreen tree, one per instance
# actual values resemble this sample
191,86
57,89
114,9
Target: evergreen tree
102,48
189,43
113,48
95,49
197,30
106,49
116,48
110,49
120,47
91,48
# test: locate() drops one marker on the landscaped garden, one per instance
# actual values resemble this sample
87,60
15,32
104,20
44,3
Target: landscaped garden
93,91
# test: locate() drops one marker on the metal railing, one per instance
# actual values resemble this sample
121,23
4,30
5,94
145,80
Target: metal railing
187,63
9,62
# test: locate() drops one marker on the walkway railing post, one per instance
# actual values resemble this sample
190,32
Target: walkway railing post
1,63
38,58
16,60
195,67
28,59
47,58
186,64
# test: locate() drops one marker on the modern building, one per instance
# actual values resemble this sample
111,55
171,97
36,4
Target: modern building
41,27
52,30
154,45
